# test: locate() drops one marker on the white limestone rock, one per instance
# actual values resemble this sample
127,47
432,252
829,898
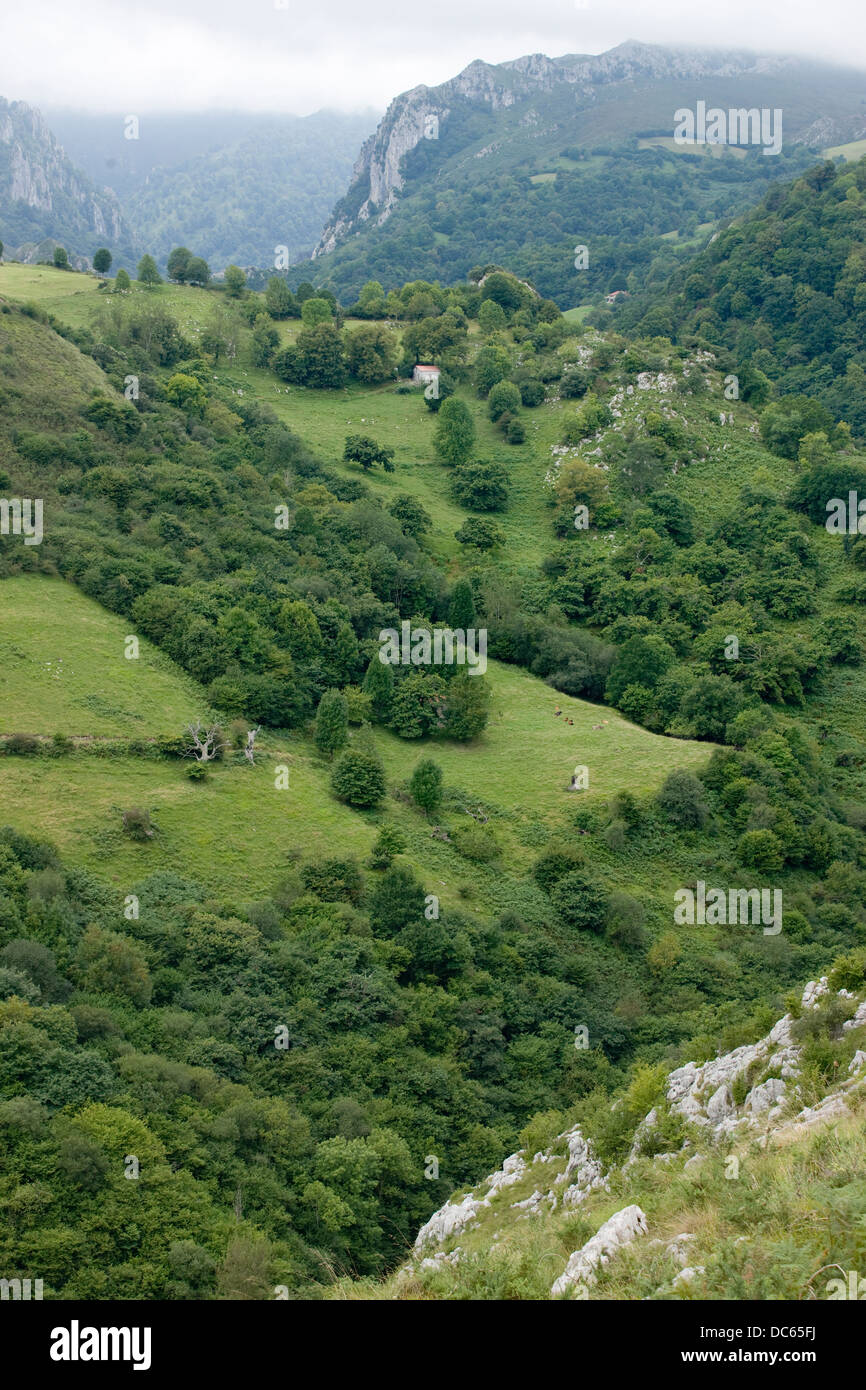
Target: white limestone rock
765,1096
620,1230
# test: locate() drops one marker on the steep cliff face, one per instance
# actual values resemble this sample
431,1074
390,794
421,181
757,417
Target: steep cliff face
42,194
421,113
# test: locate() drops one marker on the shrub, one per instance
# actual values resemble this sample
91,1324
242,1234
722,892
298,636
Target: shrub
359,778
760,849
476,843
136,823
334,880
425,786
682,800
504,396
389,842
22,745
580,901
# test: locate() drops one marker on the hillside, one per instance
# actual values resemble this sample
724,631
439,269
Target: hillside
782,288
44,197
284,994
524,159
709,1195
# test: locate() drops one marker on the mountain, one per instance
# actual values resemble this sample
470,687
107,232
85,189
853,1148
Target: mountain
44,196
230,185
522,159
782,288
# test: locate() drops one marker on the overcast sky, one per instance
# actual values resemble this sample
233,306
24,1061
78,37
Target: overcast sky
133,56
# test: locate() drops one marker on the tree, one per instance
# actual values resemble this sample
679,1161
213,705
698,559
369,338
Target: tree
467,706
360,448
371,354
186,392
445,387
505,290
682,800
504,397
480,533
461,609
396,901
197,271
301,628
491,316
122,280
639,661
279,300
316,360
580,901
102,260
454,436
414,519
481,487
314,311
359,778
372,299
265,341
61,259
207,744
147,272
332,726
389,842
235,281
178,264
425,786
491,366
379,685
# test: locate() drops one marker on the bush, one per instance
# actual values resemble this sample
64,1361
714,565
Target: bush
22,745
334,880
359,779
580,901
531,393
476,843
389,842
760,849
574,384
482,487
504,397
682,800
136,823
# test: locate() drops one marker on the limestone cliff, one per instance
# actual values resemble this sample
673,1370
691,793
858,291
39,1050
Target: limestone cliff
43,195
424,111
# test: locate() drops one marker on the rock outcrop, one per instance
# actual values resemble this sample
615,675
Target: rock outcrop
43,193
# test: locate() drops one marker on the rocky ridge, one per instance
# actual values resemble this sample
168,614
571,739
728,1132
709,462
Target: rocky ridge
749,1093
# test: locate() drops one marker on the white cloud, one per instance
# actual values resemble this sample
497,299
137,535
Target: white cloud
199,54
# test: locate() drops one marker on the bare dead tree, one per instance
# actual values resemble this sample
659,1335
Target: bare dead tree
206,743
249,751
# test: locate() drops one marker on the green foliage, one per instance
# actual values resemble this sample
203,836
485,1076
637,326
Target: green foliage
425,786
359,779
332,729
454,436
